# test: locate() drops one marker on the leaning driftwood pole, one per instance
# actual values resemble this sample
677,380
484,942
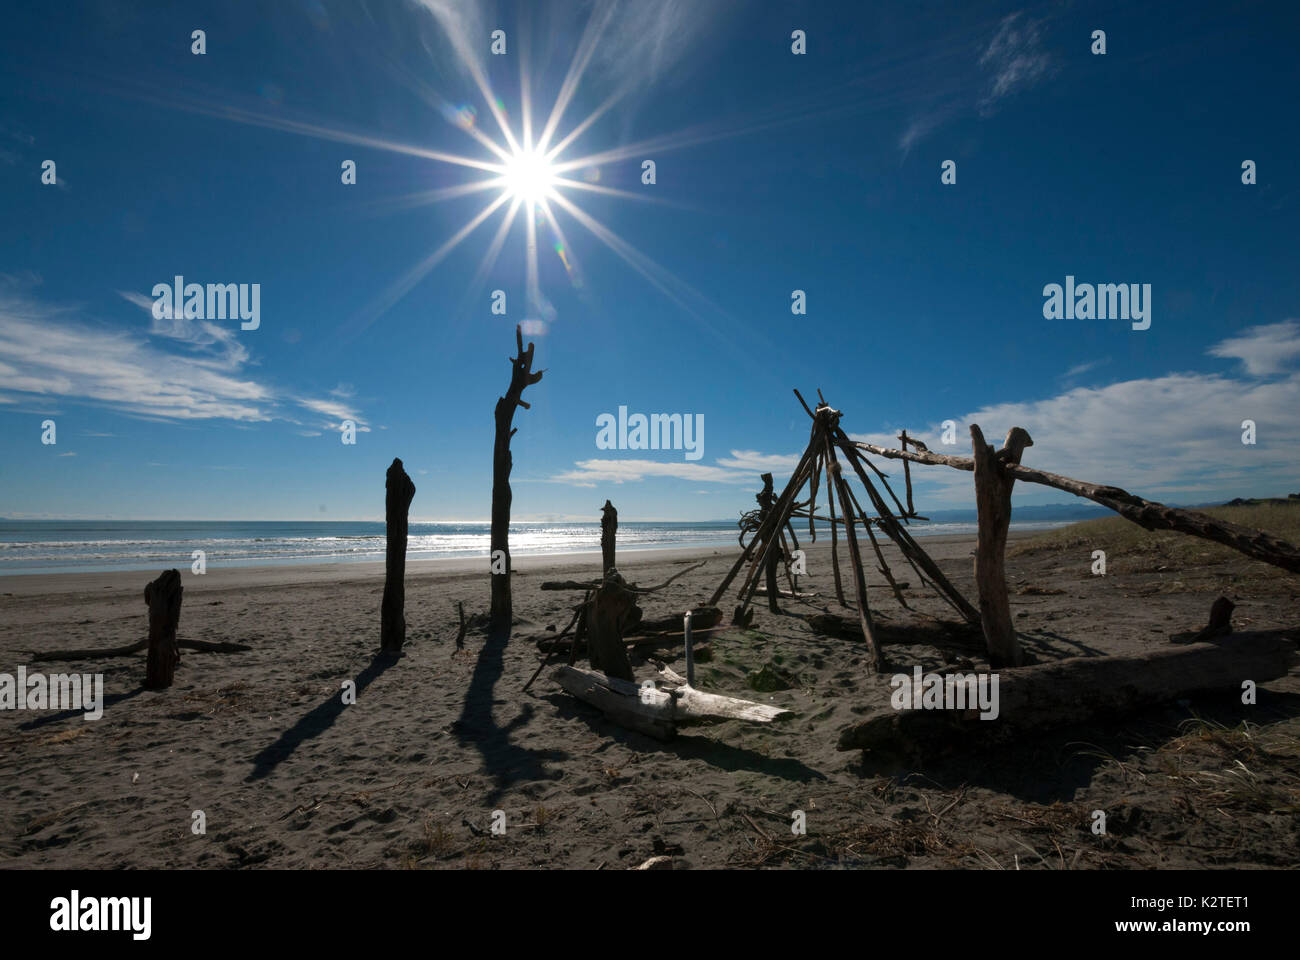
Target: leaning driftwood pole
521,376
1145,513
993,503
608,531
164,598
397,504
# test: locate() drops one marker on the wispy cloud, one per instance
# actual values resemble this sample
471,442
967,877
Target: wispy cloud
52,351
1015,58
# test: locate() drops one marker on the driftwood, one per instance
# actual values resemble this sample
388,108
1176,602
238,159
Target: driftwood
608,532
1220,624
610,613
521,376
164,599
1083,689
397,504
993,502
827,444
184,643
1145,513
657,712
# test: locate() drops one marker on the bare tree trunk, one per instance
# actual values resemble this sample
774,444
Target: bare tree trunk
397,504
993,502
164,599
608,532
521,376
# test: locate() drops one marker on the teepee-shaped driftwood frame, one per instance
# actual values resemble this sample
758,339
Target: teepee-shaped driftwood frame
827,444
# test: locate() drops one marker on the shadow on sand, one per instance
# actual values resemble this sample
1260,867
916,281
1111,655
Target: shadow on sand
315,723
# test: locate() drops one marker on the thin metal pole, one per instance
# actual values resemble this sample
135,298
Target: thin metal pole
690,651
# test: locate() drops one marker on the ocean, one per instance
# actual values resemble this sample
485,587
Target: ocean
69,546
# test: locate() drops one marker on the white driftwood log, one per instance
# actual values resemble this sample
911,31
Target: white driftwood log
654,711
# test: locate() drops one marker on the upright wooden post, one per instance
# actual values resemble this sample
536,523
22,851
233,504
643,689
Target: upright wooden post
993,502
397,502
521,376
164,598
608,530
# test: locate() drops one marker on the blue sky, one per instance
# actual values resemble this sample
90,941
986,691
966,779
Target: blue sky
775,172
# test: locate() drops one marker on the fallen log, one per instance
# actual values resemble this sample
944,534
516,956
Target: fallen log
185,643
1081,689
657,712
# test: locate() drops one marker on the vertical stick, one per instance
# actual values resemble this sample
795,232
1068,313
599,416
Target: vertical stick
907,475
397,503
835,537
164,598
993,502
608,528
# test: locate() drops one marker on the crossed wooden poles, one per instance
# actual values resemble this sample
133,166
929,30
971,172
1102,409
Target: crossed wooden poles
821,457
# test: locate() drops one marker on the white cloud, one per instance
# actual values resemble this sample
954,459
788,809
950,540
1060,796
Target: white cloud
50,351
1175,437
1263,351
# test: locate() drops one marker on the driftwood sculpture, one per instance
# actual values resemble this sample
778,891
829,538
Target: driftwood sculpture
827,443
521,376
397,503
164,599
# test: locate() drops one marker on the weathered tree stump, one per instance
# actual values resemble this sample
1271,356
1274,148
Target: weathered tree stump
993,503
608,529
164,599
521,376
400,491
610,612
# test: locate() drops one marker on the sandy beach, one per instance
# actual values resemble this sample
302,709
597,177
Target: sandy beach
287,776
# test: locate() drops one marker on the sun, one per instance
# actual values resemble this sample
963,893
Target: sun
528,176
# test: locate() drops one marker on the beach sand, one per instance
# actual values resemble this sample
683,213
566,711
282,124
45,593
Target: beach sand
287,776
